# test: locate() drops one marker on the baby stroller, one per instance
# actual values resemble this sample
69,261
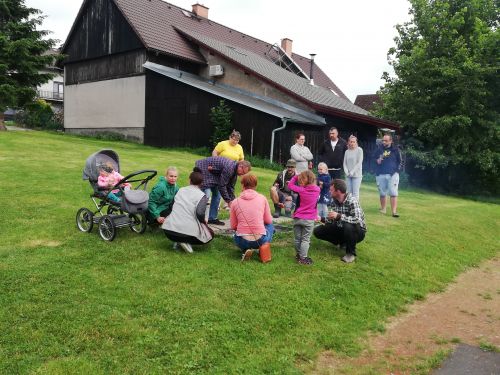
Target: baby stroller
109,214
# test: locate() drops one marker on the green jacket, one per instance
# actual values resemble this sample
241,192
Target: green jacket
161,197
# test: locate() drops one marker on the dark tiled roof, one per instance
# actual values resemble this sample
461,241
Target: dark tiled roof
154,22
367,101
271,72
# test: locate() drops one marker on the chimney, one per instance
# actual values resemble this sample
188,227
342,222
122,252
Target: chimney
286,45
200,10
311,70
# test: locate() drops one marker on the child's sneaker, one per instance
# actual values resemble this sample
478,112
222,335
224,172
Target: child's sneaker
305,260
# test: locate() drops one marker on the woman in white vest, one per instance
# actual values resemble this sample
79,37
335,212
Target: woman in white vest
186,224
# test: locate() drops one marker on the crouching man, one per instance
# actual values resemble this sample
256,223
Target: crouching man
345,223
281,196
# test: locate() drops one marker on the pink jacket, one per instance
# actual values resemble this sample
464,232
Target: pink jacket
249,212
308,198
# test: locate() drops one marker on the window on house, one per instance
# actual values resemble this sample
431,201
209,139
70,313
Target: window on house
58,90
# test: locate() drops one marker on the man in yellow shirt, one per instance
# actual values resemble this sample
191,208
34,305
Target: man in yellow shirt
231,148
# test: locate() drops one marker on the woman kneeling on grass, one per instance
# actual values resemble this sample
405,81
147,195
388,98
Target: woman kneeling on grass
186,224
250,217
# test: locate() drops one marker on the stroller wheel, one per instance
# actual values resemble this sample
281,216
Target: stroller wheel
138,223
107,228
84,219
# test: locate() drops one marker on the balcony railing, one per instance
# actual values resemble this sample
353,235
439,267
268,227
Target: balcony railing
49,95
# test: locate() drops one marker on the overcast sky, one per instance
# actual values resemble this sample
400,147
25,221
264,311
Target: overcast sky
350,38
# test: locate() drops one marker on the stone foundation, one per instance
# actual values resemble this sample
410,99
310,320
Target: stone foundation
129,134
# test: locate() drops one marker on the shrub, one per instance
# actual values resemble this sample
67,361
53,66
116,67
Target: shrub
39,114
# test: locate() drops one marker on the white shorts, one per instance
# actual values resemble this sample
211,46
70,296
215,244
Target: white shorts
388,184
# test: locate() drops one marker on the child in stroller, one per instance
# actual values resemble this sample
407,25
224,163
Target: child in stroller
125,198
108,178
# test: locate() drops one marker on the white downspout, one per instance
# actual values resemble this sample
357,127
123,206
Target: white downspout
284,120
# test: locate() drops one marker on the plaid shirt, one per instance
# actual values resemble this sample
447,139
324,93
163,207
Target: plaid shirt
350,210
222,174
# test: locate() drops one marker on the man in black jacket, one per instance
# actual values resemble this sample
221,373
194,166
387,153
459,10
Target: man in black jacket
332,152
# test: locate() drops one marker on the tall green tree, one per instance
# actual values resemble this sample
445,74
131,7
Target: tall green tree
221,119
445,92
21,54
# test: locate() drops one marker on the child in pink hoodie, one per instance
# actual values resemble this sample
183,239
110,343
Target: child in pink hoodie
305,213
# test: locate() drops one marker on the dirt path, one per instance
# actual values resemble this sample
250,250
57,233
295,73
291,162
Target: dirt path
468,311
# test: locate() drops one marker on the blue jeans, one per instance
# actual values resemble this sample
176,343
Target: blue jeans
353,184
244,244
214,203
322,210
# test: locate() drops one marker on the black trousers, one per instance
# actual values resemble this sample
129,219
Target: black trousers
179,237
348,234
335,174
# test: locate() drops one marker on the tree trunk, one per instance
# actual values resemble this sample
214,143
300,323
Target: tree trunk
2,125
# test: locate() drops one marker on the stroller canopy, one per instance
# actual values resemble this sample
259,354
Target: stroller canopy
96,160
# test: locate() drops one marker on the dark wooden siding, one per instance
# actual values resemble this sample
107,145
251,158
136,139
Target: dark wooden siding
100,30
177,115
106,67
172,62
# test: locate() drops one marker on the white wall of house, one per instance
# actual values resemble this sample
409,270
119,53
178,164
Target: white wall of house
116,104
50,87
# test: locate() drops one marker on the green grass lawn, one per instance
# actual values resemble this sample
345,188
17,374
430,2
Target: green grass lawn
72,303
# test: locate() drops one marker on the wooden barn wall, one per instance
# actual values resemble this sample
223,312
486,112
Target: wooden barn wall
177,115
100,30
107,67
173,62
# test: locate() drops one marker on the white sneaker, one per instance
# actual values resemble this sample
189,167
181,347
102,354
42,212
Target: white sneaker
186,247
175,246
349,258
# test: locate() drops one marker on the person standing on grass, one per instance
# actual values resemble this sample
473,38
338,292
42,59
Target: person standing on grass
305,213
230,149
346,221
353,166
220,174
186,224
280,193
250,217
324,181
387,174
162,196
301,154
332,152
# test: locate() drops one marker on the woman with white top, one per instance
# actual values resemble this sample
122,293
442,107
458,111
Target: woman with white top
301,154
353,166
